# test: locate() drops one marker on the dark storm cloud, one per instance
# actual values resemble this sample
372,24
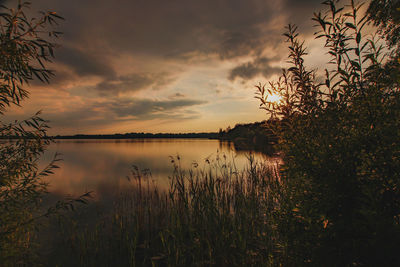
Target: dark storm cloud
229,28
83,63
302,12
236,43
249,70
133,82
168,29
297,12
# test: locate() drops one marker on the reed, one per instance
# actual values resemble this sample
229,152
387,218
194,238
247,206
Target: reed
210,215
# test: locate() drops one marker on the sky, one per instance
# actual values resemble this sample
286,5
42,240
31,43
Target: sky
164,65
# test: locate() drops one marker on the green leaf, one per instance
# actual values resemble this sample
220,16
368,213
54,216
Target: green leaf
358,38
351,25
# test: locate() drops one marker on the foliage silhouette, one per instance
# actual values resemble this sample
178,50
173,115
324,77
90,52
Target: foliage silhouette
26,45
340,144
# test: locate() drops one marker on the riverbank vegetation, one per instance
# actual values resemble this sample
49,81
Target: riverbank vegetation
258,136
23,55
341,142
26,46
211,215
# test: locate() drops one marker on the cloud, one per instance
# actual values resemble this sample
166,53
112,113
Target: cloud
111,111
133,82
110,51
250,70
238,43
229,28
97,30
176,95
83,63
144,109
301,13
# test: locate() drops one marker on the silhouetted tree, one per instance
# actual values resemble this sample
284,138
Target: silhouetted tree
385,14
25,48
340,198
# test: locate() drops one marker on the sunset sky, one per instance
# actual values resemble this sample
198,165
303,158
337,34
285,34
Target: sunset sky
164,65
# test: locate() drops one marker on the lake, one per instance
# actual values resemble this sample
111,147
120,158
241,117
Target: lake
102,165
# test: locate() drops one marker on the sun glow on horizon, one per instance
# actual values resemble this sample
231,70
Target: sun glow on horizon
274,98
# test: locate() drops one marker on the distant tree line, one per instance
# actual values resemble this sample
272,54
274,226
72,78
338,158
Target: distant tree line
257,136
211,135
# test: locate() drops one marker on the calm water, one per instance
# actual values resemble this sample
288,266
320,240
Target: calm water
103,165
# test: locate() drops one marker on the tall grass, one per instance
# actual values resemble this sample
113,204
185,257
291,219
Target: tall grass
211,215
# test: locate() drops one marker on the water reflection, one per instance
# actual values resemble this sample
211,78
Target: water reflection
103,165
